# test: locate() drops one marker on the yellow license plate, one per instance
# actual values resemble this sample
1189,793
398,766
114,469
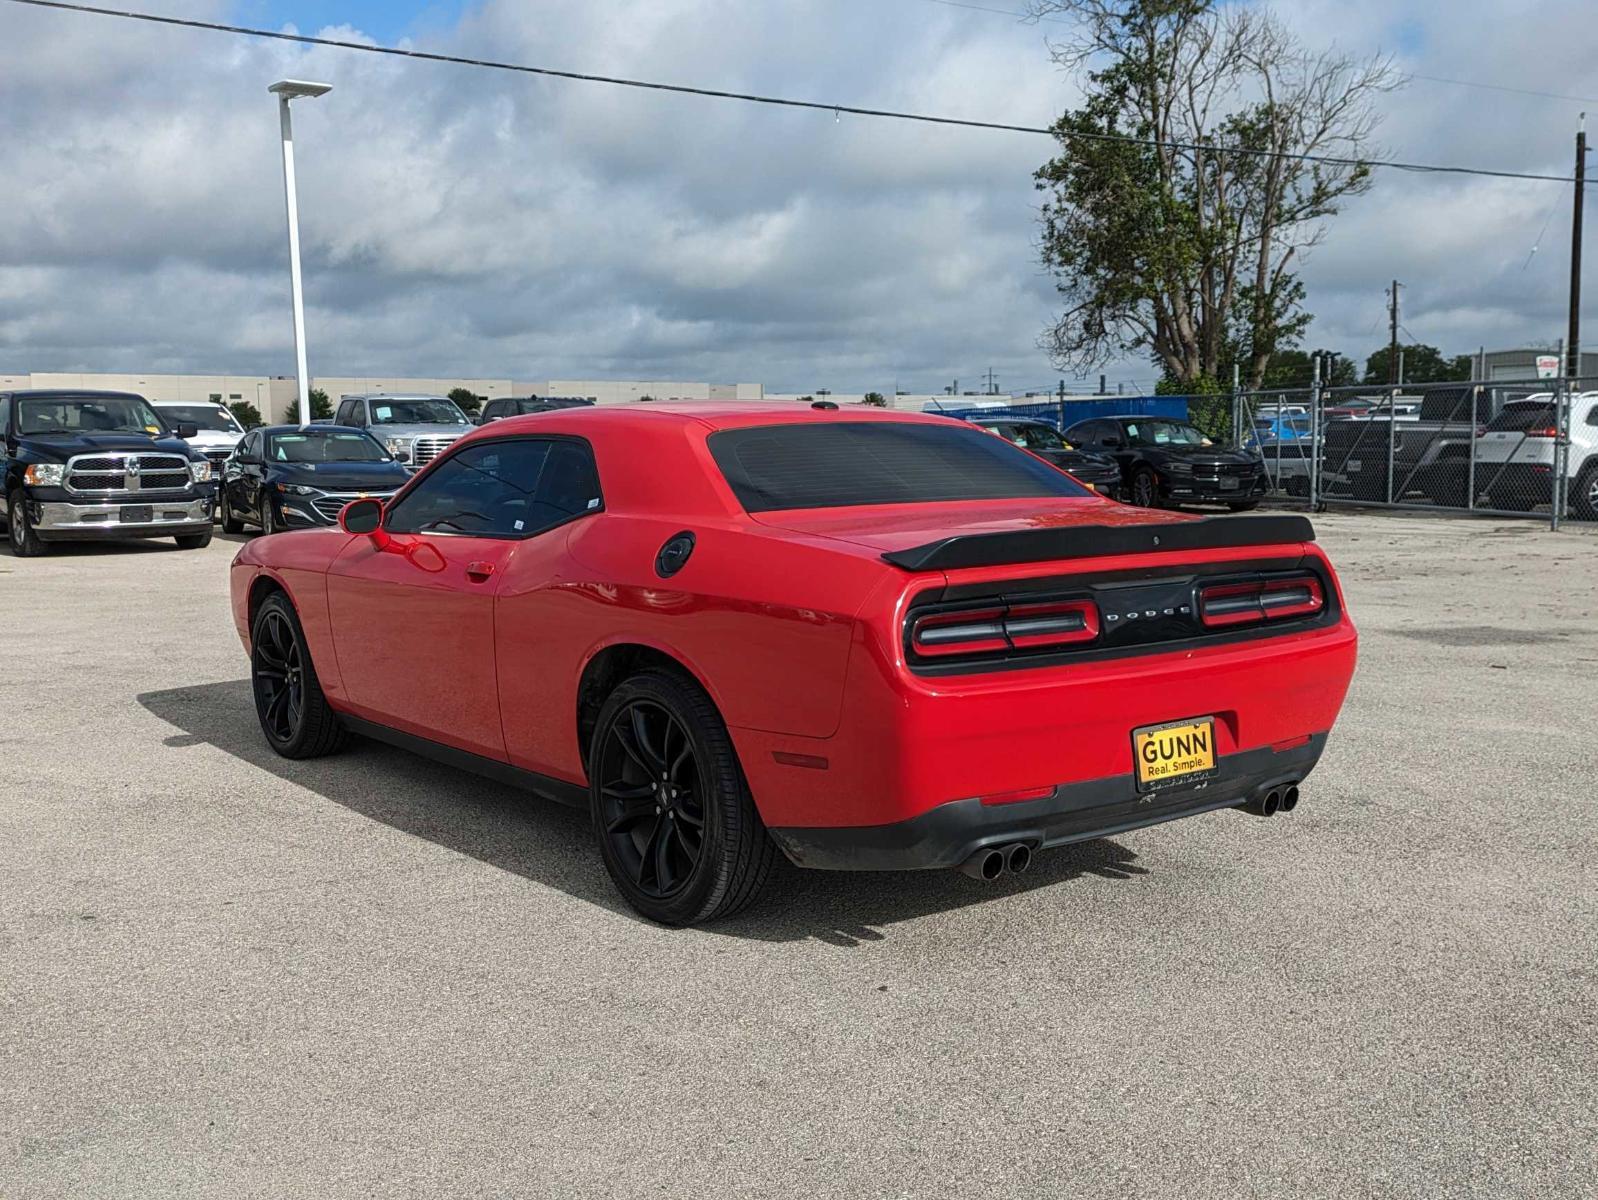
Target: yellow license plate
1177,752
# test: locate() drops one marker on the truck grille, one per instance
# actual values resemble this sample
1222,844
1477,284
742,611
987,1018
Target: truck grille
426,449
127,473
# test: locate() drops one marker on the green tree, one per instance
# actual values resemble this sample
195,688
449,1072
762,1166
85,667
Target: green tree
876,400
1181,244
1422,364
466,400
1295,369
245,413
321,406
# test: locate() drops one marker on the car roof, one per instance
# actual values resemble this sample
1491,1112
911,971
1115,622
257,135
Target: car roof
315,427
187,403
74,394
392,396
716,415
988,420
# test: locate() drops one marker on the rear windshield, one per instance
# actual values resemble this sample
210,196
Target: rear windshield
852,463
1519,416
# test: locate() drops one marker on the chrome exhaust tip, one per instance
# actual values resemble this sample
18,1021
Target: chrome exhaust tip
1289,798
1018,858
986,865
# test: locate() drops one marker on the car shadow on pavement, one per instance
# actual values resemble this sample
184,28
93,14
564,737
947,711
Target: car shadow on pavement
553,845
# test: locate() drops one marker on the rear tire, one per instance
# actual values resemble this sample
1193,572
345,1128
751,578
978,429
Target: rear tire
676,826
1243,505
294,714
1584,494
24,542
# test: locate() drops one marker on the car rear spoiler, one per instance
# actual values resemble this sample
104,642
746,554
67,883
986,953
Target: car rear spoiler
1091,541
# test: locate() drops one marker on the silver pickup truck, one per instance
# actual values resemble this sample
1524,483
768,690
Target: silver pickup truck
414,428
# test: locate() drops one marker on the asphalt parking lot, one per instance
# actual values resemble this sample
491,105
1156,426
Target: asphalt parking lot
226,974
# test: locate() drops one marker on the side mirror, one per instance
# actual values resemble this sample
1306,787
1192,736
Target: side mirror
361,516
186,429
402,456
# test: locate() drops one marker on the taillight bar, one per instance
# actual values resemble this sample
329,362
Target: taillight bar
995,629
1256,600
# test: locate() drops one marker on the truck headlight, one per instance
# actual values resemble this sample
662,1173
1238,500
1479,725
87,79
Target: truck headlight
397,446
44,474
200,471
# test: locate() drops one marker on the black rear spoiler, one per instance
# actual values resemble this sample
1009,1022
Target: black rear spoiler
1091,541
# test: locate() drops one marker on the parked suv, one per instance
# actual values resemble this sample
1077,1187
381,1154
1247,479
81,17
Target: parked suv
217,430
1165,461
516,406
91,466
1515,454
414,428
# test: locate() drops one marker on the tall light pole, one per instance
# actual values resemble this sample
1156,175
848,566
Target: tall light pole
286,90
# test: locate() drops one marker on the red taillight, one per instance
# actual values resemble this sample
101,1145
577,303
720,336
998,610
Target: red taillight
1549,432
996,629
1222,604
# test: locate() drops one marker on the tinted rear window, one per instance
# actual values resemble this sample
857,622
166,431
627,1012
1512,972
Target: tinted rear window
851,463
1522,415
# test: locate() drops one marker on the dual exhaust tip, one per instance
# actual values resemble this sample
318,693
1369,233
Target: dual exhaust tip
990,863
1282,799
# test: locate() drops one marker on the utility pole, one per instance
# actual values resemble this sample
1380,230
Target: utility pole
1392,340
1062,404
1573,342
993,387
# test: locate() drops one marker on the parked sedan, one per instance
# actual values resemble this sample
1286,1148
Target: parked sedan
1164,461
1098,471
864,640
299,476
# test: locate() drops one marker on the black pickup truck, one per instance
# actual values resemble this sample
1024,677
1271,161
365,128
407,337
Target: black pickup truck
1405,447
91,466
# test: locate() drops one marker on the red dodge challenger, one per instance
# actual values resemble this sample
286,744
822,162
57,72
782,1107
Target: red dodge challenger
868,640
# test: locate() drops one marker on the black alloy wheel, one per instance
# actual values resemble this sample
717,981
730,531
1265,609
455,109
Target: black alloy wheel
677,828
652,798
268,520
1145,489
294,713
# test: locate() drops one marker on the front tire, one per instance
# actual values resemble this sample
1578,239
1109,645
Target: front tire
294,714
677,828
230,523
24,541
1145,489
1243,505
268,520
193,541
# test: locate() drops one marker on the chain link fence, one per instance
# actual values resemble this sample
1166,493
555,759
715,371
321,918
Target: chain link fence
1525,448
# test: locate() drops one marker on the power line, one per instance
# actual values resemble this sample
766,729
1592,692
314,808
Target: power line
776,101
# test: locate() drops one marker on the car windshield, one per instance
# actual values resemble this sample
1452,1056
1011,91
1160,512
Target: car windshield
863,462
307,446
87,414
1164,433
204,416
417,412
1521,415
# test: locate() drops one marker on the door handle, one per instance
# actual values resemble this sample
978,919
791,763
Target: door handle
479,571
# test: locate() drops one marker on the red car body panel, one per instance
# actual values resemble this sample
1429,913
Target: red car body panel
792,623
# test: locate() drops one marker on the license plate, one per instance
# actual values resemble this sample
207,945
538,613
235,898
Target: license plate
1353,464
1177,752
138,514
1229,485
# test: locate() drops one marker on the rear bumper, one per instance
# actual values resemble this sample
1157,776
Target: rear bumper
949,834
65,521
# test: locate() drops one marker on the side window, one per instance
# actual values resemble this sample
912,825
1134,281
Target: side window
502,489
495,410
250,447
342,416
1082,434
1592,417
5,415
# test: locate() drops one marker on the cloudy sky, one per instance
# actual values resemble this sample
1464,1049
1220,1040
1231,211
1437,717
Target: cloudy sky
470,222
